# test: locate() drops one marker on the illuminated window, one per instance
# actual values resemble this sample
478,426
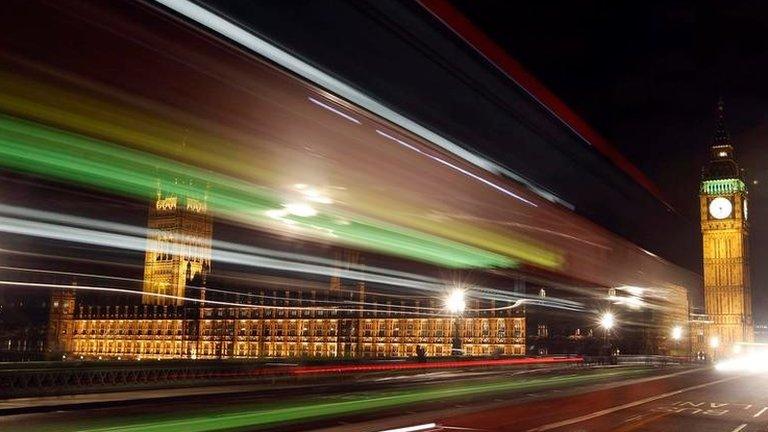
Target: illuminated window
723,154
542,330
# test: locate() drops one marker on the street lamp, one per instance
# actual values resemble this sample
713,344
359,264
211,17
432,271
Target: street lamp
455,303
714,342
607,321
677,334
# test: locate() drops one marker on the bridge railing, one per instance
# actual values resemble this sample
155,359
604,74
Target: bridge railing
90,377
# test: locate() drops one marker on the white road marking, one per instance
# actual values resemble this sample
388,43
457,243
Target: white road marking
738,428
413,428
760,412
637,417
625,406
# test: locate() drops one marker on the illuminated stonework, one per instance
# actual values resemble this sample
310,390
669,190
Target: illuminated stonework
169,332
178,246
725,236
179,252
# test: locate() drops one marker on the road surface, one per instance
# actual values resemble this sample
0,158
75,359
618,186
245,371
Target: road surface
605,399
696,401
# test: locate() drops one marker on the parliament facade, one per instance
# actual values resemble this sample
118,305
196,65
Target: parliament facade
177,319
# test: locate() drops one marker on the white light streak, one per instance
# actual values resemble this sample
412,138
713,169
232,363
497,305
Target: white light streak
260,46
457,168
334,110
259,296
133,238
300,209
276,214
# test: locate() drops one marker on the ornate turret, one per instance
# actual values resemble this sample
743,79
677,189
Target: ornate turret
179,241
722,163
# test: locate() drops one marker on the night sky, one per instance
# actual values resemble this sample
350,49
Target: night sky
648,77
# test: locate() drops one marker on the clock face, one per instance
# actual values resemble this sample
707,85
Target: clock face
720,208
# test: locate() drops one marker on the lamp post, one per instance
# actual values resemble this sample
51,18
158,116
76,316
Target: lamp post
455,304
677,334
607,321
714,343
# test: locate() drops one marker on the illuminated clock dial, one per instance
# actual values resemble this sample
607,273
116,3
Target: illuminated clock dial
720,208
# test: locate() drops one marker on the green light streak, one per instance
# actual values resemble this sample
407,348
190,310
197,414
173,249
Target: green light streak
157,129
336,405
49,152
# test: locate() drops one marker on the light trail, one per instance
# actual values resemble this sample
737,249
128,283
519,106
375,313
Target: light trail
347,368
75,111
112,240
262,47
134,238
334,110
131,292
475,291
457,168
30,147
336,303
27,213
268,146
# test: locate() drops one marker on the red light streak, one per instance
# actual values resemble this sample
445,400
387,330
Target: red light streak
474,37
340,368
343,368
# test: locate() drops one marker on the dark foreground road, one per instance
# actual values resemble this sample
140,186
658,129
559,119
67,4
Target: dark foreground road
611,399
696,401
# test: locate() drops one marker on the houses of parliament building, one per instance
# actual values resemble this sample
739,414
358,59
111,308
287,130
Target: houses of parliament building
178,316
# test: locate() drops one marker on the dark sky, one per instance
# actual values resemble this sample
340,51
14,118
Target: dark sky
648,77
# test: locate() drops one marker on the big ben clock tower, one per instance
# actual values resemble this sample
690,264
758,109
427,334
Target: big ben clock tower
725,234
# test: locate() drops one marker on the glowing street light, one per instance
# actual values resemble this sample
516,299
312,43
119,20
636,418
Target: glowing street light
677,333
607,321
714,342
455,302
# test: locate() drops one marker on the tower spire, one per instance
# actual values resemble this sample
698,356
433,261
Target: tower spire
721,133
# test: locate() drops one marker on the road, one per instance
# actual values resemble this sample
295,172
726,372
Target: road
698,401
611,399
